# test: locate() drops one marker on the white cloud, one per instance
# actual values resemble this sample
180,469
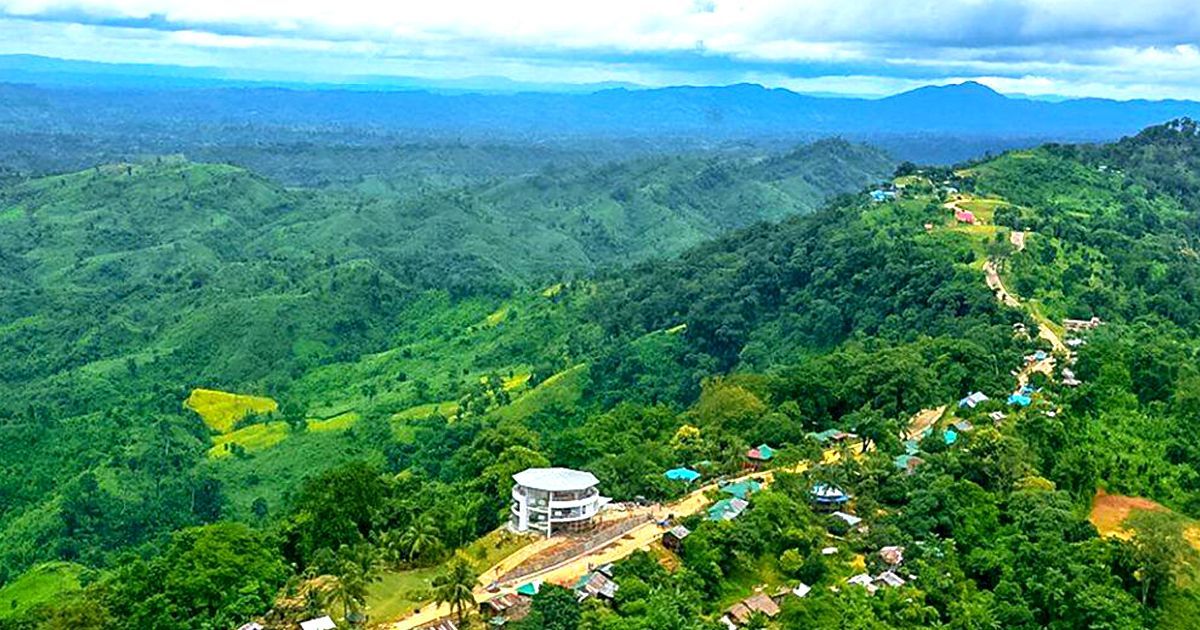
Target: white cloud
1144,48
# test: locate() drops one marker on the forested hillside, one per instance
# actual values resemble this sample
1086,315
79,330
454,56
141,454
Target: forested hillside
128,285
422,348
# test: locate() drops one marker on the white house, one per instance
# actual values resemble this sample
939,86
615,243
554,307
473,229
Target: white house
320,623
550,500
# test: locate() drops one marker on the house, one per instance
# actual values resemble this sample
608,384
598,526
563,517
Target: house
530,589
864,580
742,489
829,551
253,625
963,426
1040,355
727,509
1075,342
888,578
551,500
965,216
997,416
880,196
950,436
596,584
673,538
851,520
1020,399
907,462
892,554
928,227
686,475
828,496
741,612
1074,325
972,400
831,435
504,608
758,456
320,623
1069,378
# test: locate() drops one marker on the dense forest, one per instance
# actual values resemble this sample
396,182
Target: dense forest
426,339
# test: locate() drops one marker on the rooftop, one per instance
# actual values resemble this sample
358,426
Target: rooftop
555,479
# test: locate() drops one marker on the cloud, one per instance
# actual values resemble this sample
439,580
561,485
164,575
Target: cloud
1142,48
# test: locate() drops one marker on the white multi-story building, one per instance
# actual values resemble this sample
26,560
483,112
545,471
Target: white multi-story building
551,500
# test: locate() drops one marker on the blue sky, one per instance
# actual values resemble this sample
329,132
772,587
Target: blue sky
1130,49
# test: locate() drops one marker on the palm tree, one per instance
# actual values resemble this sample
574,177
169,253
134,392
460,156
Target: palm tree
456,587
357,570
419,538
392,549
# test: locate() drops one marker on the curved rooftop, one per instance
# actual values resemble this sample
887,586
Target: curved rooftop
555,479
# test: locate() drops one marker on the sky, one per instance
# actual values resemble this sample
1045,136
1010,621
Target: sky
1107,48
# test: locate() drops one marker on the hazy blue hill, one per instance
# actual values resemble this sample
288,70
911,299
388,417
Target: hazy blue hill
186,118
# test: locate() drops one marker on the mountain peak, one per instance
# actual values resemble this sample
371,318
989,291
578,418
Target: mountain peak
966,89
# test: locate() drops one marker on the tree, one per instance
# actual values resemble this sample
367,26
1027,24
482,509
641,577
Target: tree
419,539
1158,553
556,608
214,576
456,588
357,570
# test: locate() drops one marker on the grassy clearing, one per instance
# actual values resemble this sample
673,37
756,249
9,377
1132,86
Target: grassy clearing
255,437
516,381
743,583
337,423
1110,511
41,584
402,591
983,209
446,409
497,317
221,410
564,388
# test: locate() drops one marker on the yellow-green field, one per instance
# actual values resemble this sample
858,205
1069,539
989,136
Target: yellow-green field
41,584
336,423
257,437
497,317
983,209
221,410
446,409
516,381
252,438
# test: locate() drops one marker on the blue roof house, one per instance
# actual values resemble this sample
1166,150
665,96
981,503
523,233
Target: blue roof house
682,474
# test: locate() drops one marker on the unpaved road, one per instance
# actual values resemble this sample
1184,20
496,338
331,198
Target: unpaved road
997,286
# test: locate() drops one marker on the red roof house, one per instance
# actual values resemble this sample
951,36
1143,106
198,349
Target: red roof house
965,216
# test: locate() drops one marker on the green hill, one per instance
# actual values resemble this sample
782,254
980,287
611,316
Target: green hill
855,316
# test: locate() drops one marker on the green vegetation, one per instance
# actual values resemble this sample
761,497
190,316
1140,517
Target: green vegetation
40,585
408,394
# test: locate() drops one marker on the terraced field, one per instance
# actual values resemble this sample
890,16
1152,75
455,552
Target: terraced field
222,410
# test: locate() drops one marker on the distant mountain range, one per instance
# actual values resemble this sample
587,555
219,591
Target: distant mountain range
932,124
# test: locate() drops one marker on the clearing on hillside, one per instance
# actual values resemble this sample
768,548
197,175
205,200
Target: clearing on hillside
40,585
1109,512
221,410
